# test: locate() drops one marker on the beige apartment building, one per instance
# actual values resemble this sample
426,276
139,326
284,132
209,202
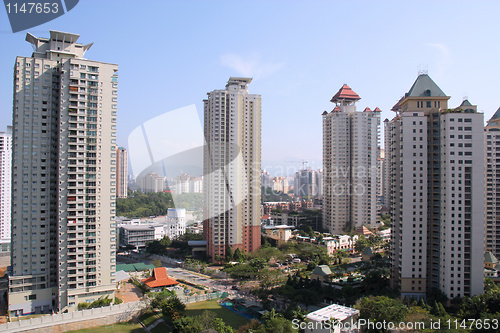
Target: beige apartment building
350,157
492,179
436,161
121,172
64,177
5,184
232,168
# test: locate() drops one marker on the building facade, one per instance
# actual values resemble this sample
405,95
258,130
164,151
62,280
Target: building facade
492,179
307,183
122,172
151,183
436,158
64,177
350,155
5,184
232,168
176,223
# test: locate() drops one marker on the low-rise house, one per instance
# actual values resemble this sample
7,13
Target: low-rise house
321,272
159,280
320,321
280,233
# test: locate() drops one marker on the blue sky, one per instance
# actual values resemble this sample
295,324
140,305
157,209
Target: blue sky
299,53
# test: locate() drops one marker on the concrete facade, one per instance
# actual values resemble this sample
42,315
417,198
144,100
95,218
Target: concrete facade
64,177
350,157
5,184
232,168
492,179
436,158
122,172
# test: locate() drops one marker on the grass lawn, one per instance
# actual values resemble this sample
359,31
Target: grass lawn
148,318
161,328
230,318
116,328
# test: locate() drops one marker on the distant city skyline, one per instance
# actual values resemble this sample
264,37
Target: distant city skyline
299,53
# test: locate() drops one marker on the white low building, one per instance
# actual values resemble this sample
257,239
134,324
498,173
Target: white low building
334,318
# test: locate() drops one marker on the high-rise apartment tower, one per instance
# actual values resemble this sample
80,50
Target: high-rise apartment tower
121,172
492,232
232,169
436,158
64,177
350,155
5,183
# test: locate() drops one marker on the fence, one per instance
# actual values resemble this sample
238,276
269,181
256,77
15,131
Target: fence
110,315
122,312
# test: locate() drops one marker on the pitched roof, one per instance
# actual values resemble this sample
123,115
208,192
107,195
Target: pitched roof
345,92
466,103
160,278
324,113
496,115
336,109
424,86
322,270
367,109
364,231
377,110
490,258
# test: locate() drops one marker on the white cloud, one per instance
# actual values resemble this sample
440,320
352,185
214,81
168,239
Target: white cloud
444,60
251,65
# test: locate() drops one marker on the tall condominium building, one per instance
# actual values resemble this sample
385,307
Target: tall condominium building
64,177
121,172
436,158
281,184
151,183
232,168
386,167
266,180
350,154
306,183
5,183
380,176
492,133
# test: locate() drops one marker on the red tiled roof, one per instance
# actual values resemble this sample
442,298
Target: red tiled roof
324,113
363,231
265,217
345,93
336,109
367,109
160,279
377,110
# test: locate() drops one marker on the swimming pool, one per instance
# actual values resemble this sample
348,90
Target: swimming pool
240,309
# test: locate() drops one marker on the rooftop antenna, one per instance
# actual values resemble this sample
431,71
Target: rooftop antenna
422,71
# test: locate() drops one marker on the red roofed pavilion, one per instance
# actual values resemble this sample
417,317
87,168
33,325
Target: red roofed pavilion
345,93
160,279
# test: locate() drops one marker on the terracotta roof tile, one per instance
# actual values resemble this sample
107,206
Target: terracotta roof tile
345,93
160,278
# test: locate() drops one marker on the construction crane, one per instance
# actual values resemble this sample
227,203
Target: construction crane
304,162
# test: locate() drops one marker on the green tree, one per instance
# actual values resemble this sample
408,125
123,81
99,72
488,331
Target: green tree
361,244
275,323
157,263
382,308
172,308
239,255
229,253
